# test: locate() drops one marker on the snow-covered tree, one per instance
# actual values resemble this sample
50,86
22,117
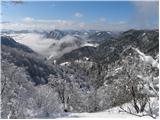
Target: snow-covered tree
15,89
145,93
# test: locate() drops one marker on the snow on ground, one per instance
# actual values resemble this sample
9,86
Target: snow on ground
118,69
110,113
109,32
147,59
65,63
51,56
90,44
98,34
86,33
143,34
104,114
115,112
86,58
85,62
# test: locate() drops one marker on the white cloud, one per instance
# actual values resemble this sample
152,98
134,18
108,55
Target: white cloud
102,19
45,46
77,14
82,25
146,7
145,13
40,24
28,19
108,26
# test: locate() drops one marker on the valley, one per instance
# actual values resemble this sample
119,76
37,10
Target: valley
70,72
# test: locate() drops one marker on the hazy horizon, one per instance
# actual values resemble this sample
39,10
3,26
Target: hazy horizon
80,15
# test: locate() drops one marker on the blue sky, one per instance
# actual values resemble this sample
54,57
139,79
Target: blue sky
86,15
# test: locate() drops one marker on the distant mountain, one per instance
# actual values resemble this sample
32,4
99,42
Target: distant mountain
89,35
8,32
8,41
56,34
36,66
23,56
87,78
78,54
100,36
68,42
117,63
110,50
27,78
64,41
145,40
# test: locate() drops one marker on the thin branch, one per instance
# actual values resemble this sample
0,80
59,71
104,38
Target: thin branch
150,108
129,112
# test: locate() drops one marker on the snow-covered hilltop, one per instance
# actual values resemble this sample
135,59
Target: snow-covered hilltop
69,74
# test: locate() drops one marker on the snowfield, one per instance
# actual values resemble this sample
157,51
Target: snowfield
114,81
104,114
91,45
114,113
147,59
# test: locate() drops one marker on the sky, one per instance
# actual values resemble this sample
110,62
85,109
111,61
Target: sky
97,15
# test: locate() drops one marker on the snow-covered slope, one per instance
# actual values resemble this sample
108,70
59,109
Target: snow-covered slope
88,82
116,112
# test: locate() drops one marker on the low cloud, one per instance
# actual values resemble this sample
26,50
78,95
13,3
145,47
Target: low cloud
45,46
65,45
35,41
29,23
